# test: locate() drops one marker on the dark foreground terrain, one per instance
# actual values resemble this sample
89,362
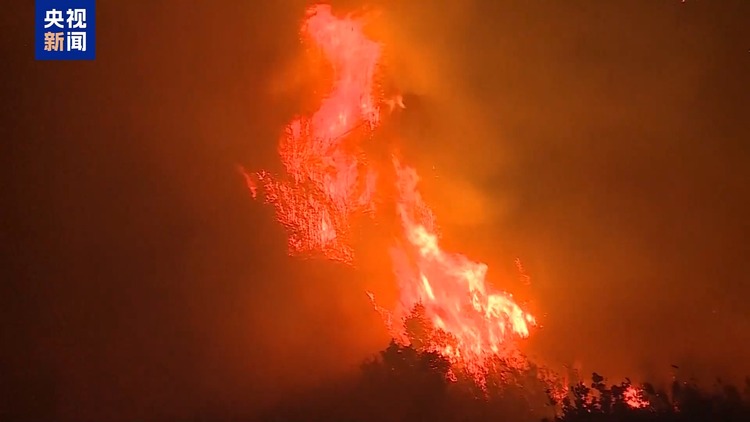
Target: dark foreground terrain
403,384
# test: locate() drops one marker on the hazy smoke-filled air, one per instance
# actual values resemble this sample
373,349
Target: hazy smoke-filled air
602,143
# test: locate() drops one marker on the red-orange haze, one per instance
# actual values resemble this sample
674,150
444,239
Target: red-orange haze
329,182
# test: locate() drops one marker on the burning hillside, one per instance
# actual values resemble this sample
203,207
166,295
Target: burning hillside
329,181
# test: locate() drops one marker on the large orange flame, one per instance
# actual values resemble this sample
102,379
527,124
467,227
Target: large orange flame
451,288
328,182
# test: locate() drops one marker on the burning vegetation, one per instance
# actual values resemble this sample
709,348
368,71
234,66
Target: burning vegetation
329,182
451,325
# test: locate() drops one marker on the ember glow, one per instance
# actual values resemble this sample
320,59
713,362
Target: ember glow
634,398
328,182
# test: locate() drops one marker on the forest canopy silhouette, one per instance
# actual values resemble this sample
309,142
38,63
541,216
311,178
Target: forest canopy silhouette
408,384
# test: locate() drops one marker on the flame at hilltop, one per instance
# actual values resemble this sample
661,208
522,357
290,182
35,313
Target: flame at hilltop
328,182
451,289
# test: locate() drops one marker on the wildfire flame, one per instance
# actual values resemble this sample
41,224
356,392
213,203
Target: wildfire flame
634,398
451,288
328,182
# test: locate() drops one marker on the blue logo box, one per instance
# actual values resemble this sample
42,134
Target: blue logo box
65,30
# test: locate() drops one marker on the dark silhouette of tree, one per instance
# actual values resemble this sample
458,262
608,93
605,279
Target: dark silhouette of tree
411,383
687,403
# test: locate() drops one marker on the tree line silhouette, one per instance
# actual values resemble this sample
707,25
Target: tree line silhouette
410,384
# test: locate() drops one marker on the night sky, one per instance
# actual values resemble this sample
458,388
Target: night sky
606,144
